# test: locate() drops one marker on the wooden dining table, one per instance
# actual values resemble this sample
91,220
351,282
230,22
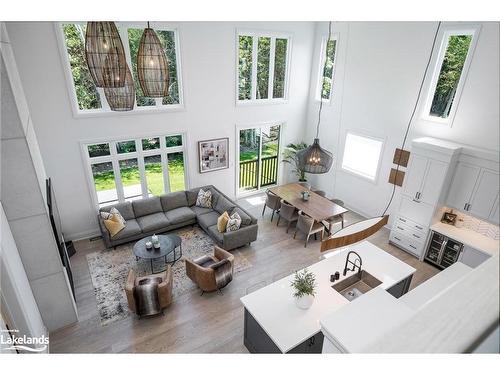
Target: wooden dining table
317,207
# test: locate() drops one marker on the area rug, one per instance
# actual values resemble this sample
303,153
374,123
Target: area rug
109,269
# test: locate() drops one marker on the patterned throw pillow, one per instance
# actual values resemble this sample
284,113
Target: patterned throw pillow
204,199
234,223
117,213
107,215
222,222
113,225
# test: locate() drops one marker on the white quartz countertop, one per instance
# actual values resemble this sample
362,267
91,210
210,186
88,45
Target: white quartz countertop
435,286
364,320
273,306
468,237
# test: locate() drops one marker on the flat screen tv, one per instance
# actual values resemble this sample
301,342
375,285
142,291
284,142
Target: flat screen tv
55,222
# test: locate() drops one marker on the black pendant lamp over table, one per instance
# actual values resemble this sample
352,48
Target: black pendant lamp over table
152,65
315,159
105,54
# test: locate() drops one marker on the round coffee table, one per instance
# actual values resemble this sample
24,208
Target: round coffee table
168,244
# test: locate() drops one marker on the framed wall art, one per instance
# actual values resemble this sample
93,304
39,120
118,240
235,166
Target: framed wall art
213,154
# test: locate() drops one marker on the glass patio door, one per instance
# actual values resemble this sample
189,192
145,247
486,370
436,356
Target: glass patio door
258,157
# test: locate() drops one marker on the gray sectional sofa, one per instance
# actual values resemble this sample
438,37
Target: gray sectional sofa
167,212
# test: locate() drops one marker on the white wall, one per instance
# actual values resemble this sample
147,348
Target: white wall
208,67
379,69
22,189
15,287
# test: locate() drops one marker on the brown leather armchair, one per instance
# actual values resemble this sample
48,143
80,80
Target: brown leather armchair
211,272
164,288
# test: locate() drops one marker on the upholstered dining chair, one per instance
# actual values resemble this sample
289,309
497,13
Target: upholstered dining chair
211,272
165,283
319,192
273,202
308,226
331,221
288,213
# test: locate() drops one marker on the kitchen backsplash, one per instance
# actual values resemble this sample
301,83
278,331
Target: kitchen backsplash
477,225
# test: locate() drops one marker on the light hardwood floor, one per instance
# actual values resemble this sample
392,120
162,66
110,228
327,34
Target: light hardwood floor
201,324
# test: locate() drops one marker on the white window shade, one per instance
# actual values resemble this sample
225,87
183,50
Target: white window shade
362,155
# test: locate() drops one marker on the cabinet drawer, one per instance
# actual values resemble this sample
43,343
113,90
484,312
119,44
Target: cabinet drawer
420,212
406,243
410,223
415,234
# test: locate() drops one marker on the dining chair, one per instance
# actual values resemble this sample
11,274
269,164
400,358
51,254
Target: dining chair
288,213
331,221
319,192
307,225
273,202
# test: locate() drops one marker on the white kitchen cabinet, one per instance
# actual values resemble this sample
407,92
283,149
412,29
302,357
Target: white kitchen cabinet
472,257
475,190
433,181
428,169
415,176
425,179
462,185
485,194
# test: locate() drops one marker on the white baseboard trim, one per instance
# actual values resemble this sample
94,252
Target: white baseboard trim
82,235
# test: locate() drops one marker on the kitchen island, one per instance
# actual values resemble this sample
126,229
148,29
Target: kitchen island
274,324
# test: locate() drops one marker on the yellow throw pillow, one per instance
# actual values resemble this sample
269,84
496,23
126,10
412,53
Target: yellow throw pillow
114,225
222,222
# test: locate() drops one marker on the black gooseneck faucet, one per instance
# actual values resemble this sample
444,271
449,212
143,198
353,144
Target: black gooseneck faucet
354,265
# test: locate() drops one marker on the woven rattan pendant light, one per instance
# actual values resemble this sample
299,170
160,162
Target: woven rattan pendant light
105,54
315,159
152,65
122,98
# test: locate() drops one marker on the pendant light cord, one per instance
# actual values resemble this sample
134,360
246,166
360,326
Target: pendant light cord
414,110
323,77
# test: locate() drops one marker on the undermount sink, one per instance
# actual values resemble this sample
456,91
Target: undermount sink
356,285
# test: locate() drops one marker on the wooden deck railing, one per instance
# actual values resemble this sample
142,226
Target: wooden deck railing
249,171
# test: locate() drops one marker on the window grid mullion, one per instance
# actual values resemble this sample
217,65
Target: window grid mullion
102,97
116,168
142,174
272,54
253,87
164,167
123,30
259,161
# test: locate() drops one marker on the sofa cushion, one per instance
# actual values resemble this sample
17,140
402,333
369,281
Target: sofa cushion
208,219
215,195
245,218
180,215
147,206
191,196
131,229
198,211
124,208
224,205
172,201
153,222
214,232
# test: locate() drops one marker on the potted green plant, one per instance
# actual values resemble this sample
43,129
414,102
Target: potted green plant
290,157
304,285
